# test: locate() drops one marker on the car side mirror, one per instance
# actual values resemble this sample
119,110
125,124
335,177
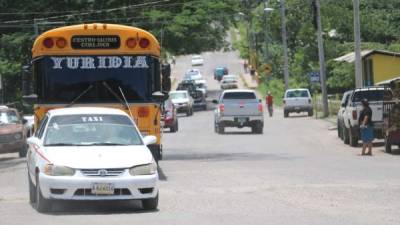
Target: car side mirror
259,100
160,96
215,101
34,141
24,121
343,105
30,99
149,140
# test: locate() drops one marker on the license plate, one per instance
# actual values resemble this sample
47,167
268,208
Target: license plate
102,189
242,119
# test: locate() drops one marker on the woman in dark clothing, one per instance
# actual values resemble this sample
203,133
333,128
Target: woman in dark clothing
367,132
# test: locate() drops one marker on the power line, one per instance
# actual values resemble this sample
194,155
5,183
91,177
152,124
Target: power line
91,12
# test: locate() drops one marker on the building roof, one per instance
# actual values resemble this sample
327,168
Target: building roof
387,82
350,57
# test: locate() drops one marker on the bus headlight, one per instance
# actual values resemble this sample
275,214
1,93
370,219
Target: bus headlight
53,170
148,169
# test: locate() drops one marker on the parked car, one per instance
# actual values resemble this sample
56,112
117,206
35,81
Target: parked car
169,117
297,100
12,132
229,82
90,154
340,118
182,101
202,86
351,131
193,74
197,60
219,72
239,108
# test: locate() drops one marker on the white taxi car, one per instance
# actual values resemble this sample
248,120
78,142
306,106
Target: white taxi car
88,153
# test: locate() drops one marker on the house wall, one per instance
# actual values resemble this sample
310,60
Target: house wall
385,67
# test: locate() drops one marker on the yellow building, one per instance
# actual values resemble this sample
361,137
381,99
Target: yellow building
377,65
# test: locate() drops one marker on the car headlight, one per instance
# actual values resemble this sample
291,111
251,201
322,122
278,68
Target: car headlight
53,170
147,169
17,136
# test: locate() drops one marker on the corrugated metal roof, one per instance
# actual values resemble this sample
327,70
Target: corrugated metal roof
350,57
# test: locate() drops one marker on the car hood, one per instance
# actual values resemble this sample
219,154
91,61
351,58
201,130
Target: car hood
182,100
96,157
10,128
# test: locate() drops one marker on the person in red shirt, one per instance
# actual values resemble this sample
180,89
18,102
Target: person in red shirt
269,99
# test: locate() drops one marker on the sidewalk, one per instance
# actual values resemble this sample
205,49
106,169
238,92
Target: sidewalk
249,81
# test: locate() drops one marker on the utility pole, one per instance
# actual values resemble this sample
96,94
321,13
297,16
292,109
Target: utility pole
284,43
357,43
36,27
1,91
321,54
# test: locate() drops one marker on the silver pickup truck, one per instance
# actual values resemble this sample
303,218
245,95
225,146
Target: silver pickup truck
239,108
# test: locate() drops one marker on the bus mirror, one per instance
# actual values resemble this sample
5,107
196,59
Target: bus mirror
159,96
166,70
30,99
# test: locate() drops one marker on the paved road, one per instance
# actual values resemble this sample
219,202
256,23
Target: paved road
297,172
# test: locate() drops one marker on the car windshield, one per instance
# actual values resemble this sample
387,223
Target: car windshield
86,130
178,95
297,94
9,117
371,95
229,80
239,95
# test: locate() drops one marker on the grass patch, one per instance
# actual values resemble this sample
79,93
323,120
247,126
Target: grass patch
276,87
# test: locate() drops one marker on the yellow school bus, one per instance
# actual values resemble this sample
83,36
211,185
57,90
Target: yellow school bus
104,65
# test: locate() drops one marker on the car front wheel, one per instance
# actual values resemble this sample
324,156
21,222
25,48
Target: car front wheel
42,204
32,191
150,203
388,145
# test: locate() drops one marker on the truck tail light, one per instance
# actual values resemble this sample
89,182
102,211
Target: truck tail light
260,107
221,107
354,114
309,100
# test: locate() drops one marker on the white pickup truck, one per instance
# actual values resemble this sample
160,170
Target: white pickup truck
239,108
351,131
297,100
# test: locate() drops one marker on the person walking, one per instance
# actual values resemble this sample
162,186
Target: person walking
269,100
245,66
367,132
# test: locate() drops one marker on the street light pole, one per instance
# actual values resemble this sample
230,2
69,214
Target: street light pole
321,54
357,43
284,43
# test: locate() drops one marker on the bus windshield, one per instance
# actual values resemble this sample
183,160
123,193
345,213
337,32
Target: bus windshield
96,79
